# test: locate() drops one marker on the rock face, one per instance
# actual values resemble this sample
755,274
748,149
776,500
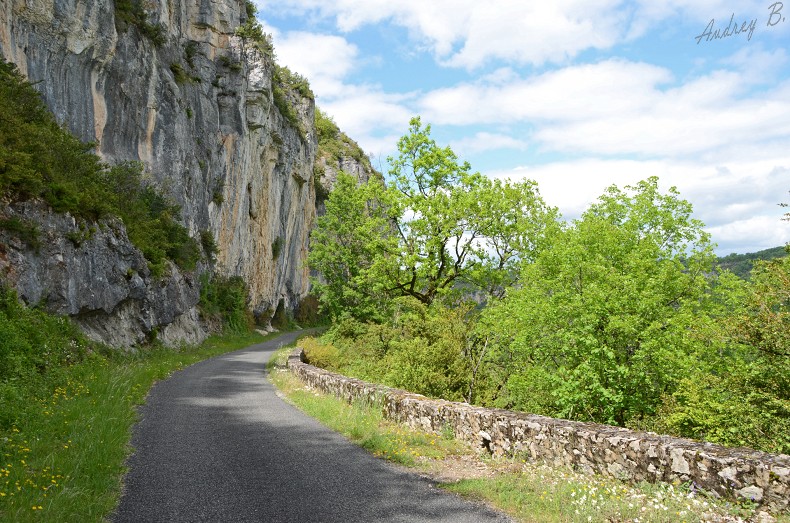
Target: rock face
92,273
199,111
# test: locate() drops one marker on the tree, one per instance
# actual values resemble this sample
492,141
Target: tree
598,328
435,228
739,394
348,246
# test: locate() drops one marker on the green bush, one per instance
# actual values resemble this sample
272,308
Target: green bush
252,32
335,144
224,300
293,81
209,245
284,106
181,76
308,312
422,350
323,355
739,408
151,220
277,247
131,12
25,231
190,51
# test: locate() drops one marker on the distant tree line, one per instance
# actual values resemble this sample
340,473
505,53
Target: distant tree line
742,264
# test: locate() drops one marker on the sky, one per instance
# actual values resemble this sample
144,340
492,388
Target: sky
577,95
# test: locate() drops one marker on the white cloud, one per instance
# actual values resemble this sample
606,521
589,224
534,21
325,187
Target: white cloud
750,235
737,201
324,59
580,92
470,34
467,33
616,107
483,141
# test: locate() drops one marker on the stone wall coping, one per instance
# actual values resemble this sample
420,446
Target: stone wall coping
591,447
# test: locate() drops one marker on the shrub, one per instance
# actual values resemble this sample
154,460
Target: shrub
308,312
190,50
151,220
131,12
181,76
335,144
277,247
209,245
323,355
223,300
293,81
281,318
251,31
230,63
24,230
284,106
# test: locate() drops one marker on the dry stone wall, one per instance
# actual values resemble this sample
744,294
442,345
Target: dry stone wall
613,451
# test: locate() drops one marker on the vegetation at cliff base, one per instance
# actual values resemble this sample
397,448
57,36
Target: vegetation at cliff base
224,303
41,160
450,284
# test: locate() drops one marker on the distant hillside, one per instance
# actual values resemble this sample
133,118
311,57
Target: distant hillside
741,264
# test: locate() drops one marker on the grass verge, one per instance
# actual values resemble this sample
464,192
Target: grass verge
530,492
362,423
63,459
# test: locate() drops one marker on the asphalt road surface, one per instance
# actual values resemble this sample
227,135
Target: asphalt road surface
214,443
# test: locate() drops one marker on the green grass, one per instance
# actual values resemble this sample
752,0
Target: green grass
363,423
530,492
63,457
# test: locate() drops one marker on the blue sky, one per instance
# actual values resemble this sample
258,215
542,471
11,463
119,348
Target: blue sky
575,94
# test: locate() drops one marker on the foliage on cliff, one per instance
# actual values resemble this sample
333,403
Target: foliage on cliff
449,284
132,13
39,159
333,144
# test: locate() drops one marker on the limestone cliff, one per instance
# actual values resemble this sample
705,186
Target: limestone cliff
172,85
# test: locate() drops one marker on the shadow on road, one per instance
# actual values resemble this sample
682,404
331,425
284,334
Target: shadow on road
216,444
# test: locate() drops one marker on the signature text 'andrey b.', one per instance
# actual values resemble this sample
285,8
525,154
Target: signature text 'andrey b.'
736,27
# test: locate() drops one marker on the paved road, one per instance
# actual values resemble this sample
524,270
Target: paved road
215,443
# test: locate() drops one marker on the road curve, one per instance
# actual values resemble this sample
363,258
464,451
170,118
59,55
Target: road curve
214,443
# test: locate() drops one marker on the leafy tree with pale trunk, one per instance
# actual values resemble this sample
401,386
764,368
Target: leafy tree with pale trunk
435,230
